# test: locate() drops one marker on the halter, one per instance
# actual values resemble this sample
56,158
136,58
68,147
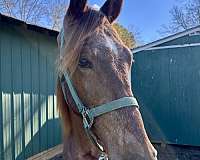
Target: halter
90,113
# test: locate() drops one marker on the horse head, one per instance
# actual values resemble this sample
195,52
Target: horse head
99,66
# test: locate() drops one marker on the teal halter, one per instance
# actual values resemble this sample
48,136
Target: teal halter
90,113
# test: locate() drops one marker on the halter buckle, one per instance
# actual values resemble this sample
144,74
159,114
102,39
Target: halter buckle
87,119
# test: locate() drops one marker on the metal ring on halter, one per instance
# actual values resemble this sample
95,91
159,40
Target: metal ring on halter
87,119
103,156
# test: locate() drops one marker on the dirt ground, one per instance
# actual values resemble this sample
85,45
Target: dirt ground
57,157
177,152
168,152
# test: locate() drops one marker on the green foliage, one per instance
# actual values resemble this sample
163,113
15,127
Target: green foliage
126,36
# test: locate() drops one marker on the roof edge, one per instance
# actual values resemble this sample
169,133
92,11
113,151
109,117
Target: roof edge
35,28
166,39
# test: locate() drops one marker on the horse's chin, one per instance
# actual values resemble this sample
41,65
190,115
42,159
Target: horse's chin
121,148
129,150
129,155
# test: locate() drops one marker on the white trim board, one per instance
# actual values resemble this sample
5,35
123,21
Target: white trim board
167,39
173,46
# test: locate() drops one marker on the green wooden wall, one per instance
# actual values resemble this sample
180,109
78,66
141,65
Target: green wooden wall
167,85
29,121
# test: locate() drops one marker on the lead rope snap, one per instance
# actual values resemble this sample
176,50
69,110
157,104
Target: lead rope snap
103,156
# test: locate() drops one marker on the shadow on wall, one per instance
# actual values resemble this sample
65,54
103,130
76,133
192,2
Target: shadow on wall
29,124
42,140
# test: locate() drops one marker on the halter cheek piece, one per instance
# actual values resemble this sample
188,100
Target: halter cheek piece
89,114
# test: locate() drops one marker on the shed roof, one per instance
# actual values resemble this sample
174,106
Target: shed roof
167,39
35,28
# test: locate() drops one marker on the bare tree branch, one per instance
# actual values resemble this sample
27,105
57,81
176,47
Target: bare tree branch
48,13
182,17
7,6
57,10
34,4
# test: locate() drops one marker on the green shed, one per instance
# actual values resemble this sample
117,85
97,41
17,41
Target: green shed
166,81
29,122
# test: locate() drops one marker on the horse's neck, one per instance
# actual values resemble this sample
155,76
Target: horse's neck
77,143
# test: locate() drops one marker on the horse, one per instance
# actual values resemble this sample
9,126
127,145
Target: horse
98,65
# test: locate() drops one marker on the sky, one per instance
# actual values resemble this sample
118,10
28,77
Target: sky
144,16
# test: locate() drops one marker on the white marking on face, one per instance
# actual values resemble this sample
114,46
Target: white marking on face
111,44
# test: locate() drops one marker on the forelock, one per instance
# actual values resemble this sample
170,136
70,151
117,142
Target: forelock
72,37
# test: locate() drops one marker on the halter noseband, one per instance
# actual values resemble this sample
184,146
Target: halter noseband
89,114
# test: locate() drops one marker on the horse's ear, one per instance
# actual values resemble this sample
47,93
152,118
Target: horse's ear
76,8
112,9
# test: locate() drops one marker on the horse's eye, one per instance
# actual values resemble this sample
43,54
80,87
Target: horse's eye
84,63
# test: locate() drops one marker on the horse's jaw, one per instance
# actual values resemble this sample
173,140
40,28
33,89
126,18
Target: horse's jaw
124,138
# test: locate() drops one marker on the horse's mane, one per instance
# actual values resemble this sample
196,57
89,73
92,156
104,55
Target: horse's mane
75,35
76,32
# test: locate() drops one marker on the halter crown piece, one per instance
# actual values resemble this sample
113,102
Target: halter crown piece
90,113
